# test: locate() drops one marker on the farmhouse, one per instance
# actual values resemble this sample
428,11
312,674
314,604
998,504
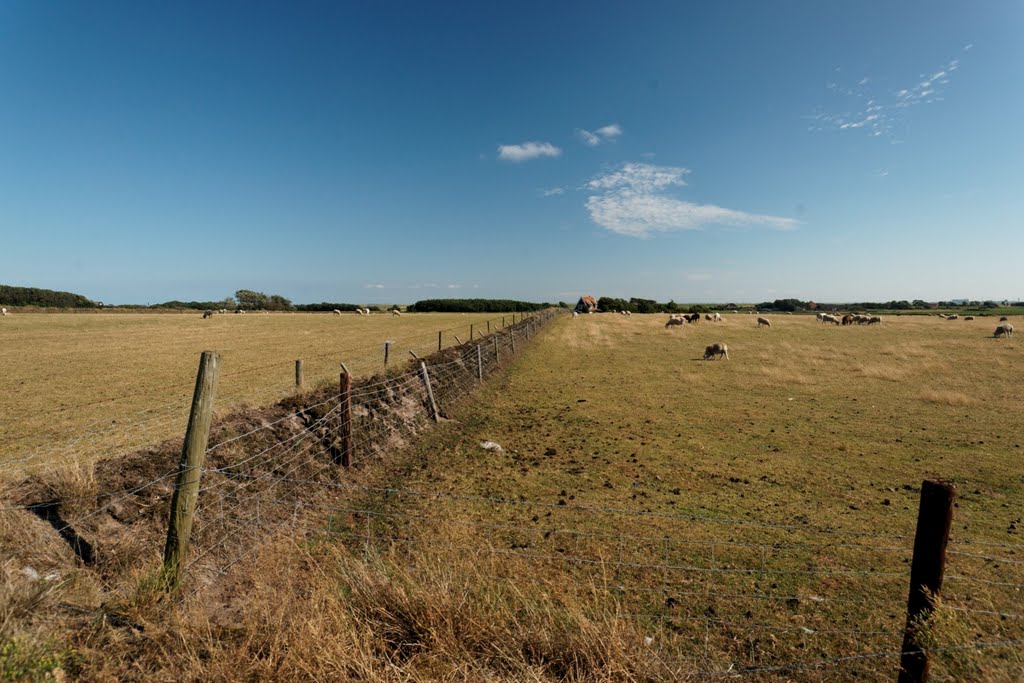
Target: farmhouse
586,304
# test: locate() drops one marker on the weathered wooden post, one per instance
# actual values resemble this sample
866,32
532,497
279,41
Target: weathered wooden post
387,352
527,328
512,335
502,322
298,373
495,349
479,364
438,341
344,456
488,327
190,469
934,518
471,332
430,392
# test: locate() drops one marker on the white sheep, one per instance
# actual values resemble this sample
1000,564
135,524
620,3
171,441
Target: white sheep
674,321
336,312
359,311
366,311
829,318
716,317
1003,329
763,322
954,316
575,314
3,311
717,349
395,313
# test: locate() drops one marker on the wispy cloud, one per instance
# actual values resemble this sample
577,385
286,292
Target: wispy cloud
552,191
631,201
454,286
878,114
698,277
527,151
602,134
374,286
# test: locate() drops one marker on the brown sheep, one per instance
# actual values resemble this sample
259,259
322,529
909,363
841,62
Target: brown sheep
1003,319
717,349
763,322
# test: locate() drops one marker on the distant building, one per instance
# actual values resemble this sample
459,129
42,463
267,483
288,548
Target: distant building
586,304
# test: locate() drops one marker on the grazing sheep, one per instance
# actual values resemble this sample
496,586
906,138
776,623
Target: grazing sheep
395,313
336,312
675,322
717,349
874,320
692,317
819,315
716,317
763,322
206,314
1002,320
3,311
1003,328
575,314
828,318
954,316
847,319
359,311
366,311
707,316
968,317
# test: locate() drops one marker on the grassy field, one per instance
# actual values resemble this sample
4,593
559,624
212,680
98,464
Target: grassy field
651,516
755,512
75,386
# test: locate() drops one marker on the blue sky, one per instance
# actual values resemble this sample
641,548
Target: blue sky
388,152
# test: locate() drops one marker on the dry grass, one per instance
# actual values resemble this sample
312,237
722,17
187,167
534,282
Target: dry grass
78,386
639,484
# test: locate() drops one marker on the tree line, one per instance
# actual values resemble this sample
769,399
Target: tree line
48,298
474,306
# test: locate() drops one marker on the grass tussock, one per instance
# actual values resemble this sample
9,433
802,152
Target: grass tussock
317,611
952,639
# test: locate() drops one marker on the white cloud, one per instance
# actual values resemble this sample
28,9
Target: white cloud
629,201
698,277
374,286
552,191
527,151
602,134
454,286
877,115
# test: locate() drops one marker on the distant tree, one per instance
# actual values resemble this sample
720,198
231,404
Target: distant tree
473,306
249,300
276,302
31,296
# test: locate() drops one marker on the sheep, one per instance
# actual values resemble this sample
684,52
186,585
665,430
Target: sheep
717,349
763,322
359,311
874,320
692,317
395,313
1002,320
953,316
336,312
675,322
716,317
968,317
206,314
707,316
3,311
847,319
828,318
819,315
366,311
575,314
1003,328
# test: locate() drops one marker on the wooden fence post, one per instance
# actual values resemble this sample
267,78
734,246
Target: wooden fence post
512,335
471,332
502,322
934,517
438,341
387,352
298,373
430,392
495,349
479,364
344,456
488,327
457,339
190,469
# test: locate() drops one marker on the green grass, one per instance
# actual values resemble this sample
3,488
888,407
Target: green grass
828,430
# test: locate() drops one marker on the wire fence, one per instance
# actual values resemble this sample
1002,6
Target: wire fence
720,597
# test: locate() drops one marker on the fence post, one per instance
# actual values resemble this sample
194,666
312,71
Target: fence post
430,392
190,469
512,334
502,322
488,327
298,373
344,457
387,352
438,341
934,517
457,339
471,332
495,349
479,364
